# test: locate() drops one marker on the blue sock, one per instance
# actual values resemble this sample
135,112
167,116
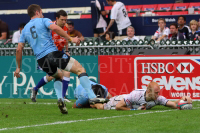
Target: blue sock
41,83
58,89
65,82
85,82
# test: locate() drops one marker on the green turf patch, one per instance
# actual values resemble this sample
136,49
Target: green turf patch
23,116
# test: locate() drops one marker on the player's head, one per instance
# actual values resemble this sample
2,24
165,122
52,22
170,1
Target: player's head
61,18
181,20
173,28
110,36
98,91
194,25
130,31
153,91
110,2
161,23
35,11
70,25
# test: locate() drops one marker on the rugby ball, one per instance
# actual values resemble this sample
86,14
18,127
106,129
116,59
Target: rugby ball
183,105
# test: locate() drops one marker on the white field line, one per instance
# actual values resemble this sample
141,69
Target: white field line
93,119
26,103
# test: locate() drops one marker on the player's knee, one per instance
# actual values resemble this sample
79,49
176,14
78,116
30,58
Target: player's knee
81,70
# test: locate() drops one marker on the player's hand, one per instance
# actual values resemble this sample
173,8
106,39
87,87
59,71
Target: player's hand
16,74
186,98
76,40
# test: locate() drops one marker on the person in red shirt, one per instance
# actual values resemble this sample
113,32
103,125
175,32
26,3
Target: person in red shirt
60,42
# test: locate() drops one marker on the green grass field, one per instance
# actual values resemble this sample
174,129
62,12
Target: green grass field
23,116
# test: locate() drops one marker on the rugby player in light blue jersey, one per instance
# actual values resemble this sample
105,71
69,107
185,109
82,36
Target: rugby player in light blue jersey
37,34
82,96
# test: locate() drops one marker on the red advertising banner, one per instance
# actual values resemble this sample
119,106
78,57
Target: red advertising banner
177,75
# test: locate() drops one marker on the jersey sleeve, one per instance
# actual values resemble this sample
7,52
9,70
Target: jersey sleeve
128,99
162,100
22,37
166,32
47,22
156,34
114,12
102,5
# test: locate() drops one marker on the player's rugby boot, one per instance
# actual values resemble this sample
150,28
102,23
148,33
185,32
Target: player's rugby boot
62,106
98,100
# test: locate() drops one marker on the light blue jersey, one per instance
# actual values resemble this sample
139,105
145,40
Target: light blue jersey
38,35
82,97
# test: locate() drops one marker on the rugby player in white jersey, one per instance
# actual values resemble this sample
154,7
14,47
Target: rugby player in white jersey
118,15
162,32
140,100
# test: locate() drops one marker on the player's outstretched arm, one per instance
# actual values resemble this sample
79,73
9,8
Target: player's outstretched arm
18,59
110,24
171,104
62,33
121,105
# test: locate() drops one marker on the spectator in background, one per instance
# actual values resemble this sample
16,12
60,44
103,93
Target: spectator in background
73,32
120,15
131,34
182,28
194,34
98,17
16,35
162,32
4,30
174,33
110,36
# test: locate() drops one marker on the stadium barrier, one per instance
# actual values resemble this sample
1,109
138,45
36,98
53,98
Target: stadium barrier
114,47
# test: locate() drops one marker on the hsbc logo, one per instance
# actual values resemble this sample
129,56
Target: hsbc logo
153,68
185,68
178,73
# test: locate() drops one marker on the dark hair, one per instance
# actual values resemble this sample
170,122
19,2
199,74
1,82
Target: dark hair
182,17
32,9
111,0
174,24
98,91
111,34
70,23
22,25
61,13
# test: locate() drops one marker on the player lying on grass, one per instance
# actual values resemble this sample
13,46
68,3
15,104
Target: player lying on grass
82,99
140,100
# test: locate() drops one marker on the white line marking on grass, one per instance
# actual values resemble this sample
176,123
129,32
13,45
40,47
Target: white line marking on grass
26,103
93,119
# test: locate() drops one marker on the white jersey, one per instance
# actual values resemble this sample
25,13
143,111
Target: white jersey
16,36
120,15
166,32
132,39
134,100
